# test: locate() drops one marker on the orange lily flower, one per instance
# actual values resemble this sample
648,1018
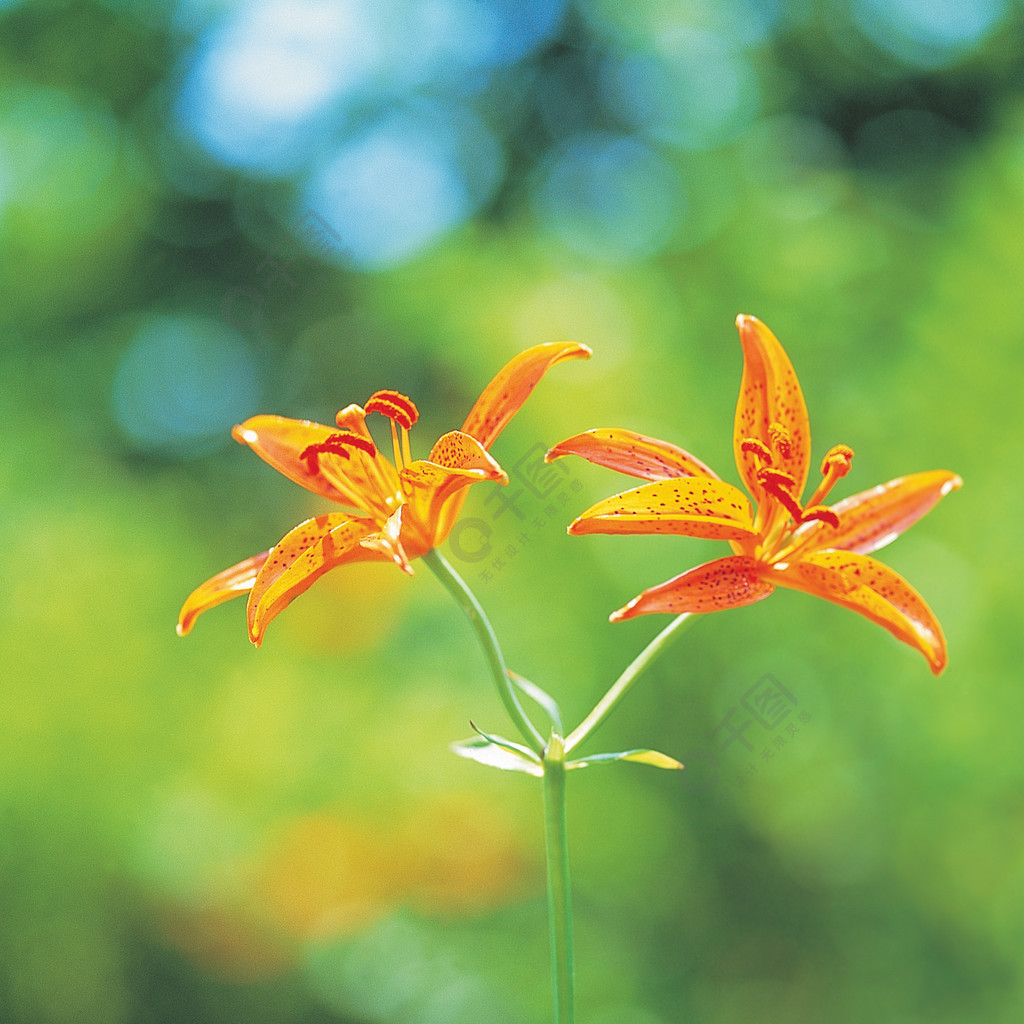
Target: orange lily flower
821,550
398,511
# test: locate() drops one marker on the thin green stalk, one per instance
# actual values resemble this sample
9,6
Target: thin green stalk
556,845
636,668
456,586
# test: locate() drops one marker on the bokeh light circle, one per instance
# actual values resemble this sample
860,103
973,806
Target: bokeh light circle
927,33
261,81
404,182
695,92
181,384
609,197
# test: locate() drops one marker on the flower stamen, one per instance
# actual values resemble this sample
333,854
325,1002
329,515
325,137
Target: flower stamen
758,448
822,513
401,411
779,485
834,467
397,407
335,444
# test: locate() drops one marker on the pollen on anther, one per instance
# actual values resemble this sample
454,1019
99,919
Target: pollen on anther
335,444
754,447
821,513
395,406
778,484
775,478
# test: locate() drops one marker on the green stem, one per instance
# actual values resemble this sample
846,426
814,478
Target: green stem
636,668
456,586
556,844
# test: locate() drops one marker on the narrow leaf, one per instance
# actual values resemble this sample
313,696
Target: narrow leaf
540,697
484,752
651,757
509,745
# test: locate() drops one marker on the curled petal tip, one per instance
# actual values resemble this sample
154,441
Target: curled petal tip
953,484
627,611
180,629
570,349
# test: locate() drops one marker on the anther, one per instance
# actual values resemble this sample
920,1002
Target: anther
754,447
778,484
335,444
774,478
778,437
820,512
395,406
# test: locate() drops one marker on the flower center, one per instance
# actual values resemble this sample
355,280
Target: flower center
781,487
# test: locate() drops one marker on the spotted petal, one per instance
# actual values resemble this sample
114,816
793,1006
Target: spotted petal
436,488
632,454
355,482
299,559
729,582
870,520
233,582
769,394
865,585
691,506
505,395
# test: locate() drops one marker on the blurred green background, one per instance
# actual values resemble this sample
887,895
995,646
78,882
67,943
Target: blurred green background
212,209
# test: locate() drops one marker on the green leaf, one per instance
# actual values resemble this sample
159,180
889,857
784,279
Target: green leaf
509,745
484,752
651,757
540,697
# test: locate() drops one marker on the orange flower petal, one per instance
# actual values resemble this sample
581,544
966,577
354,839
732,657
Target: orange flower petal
357,481
691,506
870,520
504,396
865,585
769,394
302,556
390,544
729,582
632,454
233,582
435,489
